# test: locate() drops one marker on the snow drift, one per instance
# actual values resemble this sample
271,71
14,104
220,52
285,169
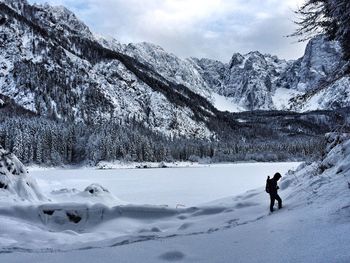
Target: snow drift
17,186
14,180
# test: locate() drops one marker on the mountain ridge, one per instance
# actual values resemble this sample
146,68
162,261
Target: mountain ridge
254,81
85,55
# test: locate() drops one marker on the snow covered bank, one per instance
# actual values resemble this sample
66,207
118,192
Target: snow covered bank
146,165
119,164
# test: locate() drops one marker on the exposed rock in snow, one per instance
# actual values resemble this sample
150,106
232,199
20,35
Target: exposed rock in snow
213,72
75,210
322,59
96,189
251,78
92,194
15,183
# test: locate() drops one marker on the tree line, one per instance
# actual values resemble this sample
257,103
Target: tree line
38,140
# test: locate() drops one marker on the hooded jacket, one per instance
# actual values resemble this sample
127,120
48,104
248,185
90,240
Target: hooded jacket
273,184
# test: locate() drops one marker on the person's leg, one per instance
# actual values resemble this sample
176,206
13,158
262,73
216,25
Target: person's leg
272,202
278,198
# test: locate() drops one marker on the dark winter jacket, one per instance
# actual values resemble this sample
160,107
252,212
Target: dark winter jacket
273,184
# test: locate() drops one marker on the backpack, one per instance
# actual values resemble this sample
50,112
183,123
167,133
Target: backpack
267,187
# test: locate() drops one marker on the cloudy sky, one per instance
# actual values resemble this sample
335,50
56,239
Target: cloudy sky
200,28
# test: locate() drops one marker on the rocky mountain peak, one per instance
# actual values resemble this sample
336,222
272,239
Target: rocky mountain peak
17,5
321,59
236,59
60,19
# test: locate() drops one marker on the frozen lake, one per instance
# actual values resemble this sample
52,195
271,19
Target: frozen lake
187,186
82,227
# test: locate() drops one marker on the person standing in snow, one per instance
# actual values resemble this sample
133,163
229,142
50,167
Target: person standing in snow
272,188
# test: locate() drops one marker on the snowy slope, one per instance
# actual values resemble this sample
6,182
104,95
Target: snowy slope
225,103
333,96
282,96
313,226
168,65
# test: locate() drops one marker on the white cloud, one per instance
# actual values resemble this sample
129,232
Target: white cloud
209,28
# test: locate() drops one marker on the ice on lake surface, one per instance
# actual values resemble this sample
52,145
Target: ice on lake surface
186,186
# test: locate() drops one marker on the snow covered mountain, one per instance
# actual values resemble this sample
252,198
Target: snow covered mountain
249,80
52,65
256,81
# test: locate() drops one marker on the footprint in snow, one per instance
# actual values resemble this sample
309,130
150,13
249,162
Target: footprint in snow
245,204
185,226
153,229
172,256
249,195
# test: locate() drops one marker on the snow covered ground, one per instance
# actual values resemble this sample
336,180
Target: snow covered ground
313,226
223,103
282,96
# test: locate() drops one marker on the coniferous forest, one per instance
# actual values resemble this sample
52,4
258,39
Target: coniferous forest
263,136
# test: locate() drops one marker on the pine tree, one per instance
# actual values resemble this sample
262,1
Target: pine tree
331,17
